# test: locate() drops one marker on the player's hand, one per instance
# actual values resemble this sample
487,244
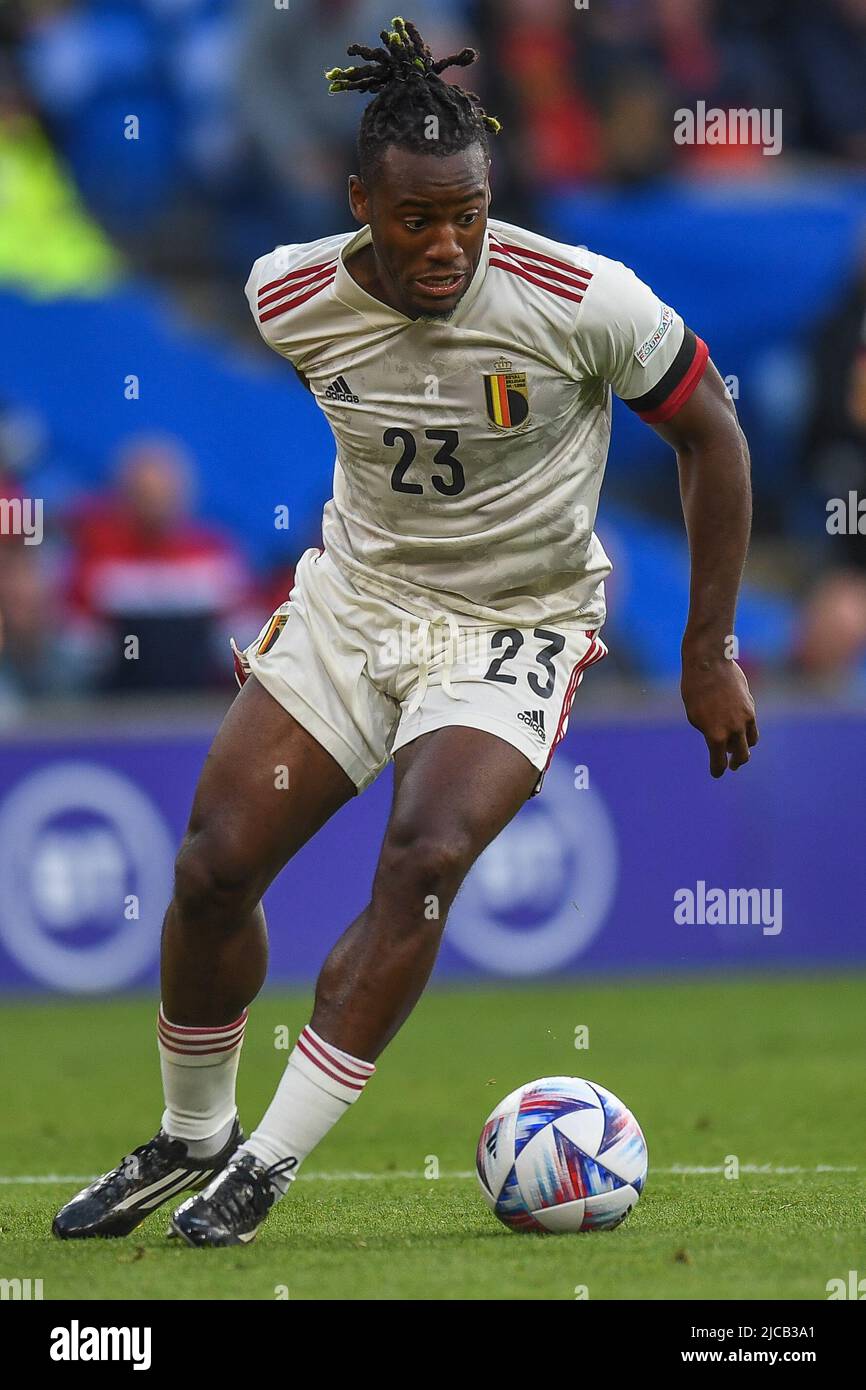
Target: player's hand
719,703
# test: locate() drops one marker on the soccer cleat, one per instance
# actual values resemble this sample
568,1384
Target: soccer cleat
151,1175
232,1208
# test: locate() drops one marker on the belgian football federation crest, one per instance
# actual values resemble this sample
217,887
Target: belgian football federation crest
272,632
507,396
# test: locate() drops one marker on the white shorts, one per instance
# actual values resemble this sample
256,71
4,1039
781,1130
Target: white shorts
365,676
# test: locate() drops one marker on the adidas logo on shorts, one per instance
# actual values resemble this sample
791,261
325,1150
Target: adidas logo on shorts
535,719
340,390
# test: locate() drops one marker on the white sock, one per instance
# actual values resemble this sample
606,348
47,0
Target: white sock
317,1087
199,1069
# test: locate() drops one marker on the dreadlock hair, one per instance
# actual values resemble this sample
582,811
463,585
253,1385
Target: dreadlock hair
409,90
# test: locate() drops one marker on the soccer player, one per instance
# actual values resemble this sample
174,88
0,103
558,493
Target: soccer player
465,367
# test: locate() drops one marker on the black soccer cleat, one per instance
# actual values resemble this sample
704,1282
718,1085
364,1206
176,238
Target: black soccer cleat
151,1175
232,1208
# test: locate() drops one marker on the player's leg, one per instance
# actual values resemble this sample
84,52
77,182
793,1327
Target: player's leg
464,766
468,753
455,789
265,789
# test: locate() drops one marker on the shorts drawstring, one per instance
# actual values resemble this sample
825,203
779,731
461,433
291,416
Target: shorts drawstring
424,628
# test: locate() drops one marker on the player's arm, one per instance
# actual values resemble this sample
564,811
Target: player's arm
627,337
713,460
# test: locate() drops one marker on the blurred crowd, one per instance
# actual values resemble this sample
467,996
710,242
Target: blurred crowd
238,145
126,591
130,591
236,137
832,632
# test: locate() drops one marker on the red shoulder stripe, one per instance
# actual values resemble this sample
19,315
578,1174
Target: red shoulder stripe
555,275
534,280
286,305
550,260
294,274
300,283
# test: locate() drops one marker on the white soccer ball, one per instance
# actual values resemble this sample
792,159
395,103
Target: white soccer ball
561,1154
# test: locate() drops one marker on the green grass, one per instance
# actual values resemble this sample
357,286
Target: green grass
769,1071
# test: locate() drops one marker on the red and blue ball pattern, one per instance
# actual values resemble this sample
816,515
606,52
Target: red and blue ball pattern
561,1154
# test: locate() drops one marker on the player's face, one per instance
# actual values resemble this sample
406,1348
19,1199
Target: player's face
428,216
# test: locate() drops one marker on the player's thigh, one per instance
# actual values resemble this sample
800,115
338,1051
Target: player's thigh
266,787
455,789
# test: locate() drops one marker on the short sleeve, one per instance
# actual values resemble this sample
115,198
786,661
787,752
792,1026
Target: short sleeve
267,291
627,337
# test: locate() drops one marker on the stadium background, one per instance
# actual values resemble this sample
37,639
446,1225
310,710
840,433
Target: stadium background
149,151
182,469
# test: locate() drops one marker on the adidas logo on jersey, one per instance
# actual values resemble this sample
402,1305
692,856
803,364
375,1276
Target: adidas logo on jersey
340,390
535,719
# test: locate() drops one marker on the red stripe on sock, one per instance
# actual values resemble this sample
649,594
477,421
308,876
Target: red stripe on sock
180,1030
200,1042
335,1059
350,1085
200,1051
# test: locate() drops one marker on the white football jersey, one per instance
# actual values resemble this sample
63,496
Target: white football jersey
471,449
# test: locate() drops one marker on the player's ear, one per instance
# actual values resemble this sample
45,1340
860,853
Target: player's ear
358,200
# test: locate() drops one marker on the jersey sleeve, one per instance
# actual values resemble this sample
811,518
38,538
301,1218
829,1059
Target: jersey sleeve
263,288
627,337
279,286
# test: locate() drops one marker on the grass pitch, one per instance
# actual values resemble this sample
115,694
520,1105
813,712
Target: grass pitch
769,1071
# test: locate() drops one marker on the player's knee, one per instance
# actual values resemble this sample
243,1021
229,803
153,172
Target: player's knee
212,881
424,862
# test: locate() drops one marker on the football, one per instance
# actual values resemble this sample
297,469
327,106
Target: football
561,1154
